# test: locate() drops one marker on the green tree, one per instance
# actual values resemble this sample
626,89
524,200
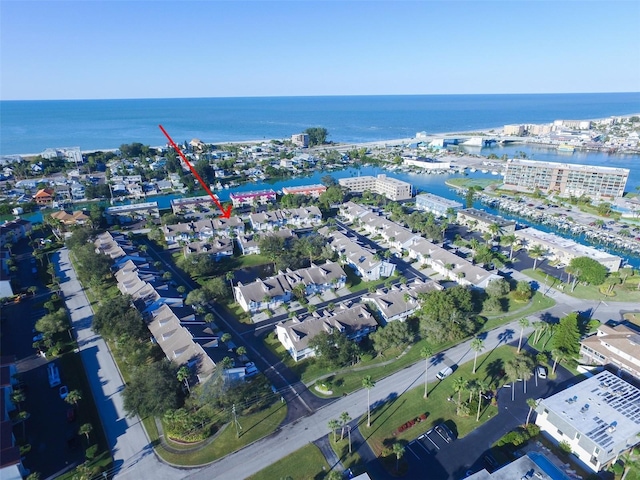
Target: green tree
398,451
426,352
73,397
333,426
477,345
524,323
510,240
523,290
588,270
368,383
536,252
468,199
531,403
459,384
152,390
53,323
183,375
481,386
566,336
317,136
345,418
497,288
17,397
86,429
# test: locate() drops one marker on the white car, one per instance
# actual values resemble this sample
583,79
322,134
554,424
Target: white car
541,371
444,373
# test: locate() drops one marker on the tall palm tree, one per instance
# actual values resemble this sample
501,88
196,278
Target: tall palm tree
368,383
333,426
477,345
482,387
539,328
459,384
511,241
630,462
398,450
86,429
183,375
426,352
74,396
494,230
532,404
229,277
524,323
345,418
537,252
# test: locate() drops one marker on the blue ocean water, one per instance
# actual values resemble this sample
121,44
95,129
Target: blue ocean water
32,126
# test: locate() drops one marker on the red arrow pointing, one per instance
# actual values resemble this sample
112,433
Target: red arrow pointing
225,213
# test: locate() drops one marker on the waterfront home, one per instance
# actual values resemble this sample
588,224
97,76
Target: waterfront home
262,197
400,301
309,190
564,250
483,221
132,213
437,205
276,290
68,219
44,196
355,323
364,262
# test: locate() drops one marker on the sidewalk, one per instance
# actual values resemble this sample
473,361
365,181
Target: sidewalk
126,437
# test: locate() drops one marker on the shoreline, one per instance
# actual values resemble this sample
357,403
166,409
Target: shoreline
379,143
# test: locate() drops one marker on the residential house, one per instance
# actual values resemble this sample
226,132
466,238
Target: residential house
437,205
250,243
262,197
303,217
364,262
76,217
44,196
355,323
216,248
617,345
14,230
11,467
483,221
599,418
400,302
276,290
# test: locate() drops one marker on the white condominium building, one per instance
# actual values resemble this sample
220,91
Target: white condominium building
565,179
391,188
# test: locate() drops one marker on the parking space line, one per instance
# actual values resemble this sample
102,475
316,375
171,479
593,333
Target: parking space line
414,453
434,443
425,448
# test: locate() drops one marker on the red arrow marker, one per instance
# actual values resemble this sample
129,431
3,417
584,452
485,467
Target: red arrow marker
225,213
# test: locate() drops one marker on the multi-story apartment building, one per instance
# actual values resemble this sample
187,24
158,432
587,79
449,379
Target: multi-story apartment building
565,179
391,188
311,190
599,418
517,130
263,197
439,206
300,140
618,346
483,221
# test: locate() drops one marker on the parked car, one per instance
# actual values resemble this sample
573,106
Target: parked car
71,415
541,371
444,373
64,391
38,337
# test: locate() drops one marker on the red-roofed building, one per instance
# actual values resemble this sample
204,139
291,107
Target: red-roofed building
263,197
44,196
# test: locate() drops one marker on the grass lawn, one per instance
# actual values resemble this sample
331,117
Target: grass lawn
251,261
622,293
518,310
349,460
356,283
633,318
386,418
308,463
254,427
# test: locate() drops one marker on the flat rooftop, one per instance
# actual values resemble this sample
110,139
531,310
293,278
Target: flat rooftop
441,200
132,208
567,166
604,408
565,244
486,217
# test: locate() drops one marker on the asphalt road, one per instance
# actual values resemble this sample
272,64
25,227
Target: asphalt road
126,437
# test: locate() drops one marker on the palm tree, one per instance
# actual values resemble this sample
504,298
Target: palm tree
368,383
532,404
524,323
630,462
398,450
225,337
459,384
17,397
539,329
333,426
345,418
74,396
426,352
477,345
537,252
229,277
558,356
241,351
183,375
494,230
511,241
481,386
86,429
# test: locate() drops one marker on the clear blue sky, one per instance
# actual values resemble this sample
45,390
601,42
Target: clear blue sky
123,49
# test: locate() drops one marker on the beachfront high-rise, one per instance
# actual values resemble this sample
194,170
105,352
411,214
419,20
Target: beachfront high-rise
565,179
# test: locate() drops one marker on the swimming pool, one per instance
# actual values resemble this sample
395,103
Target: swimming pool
547,466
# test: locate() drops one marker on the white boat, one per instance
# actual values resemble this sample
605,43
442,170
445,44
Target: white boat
494,172
473,170
484,170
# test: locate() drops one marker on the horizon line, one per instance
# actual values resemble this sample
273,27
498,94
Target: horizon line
314,96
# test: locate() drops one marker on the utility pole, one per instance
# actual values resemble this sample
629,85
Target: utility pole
235,420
